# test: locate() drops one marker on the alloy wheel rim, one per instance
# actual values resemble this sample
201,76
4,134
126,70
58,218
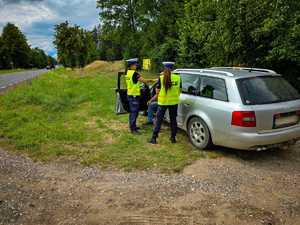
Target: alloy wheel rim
198,133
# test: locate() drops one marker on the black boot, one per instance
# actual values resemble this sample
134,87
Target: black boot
173,140
136,132
153,140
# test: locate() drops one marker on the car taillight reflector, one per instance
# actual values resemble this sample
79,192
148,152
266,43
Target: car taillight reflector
243,119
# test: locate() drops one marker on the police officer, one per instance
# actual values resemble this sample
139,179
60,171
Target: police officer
168,91
133,81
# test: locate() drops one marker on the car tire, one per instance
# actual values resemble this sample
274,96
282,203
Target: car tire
199,134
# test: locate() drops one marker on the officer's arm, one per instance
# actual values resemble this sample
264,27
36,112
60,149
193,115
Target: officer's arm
146,81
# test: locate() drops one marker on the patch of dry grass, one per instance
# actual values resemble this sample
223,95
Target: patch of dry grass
105,66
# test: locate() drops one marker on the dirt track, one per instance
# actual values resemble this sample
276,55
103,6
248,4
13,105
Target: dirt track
239,188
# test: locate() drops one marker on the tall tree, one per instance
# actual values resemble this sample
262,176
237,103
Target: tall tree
75,46
161,36
140,28
17,49
3,55
203,33
15,52
119,26
38,58
256,33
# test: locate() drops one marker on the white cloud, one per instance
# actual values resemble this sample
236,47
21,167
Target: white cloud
24,14
41,41
36,18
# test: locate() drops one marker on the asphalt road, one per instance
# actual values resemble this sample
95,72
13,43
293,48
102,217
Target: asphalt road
7,80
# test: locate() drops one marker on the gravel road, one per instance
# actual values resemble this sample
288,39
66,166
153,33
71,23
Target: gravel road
250,188
7,80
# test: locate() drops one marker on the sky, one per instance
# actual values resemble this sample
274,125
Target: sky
36,18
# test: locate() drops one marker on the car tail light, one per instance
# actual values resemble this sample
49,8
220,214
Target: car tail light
298,112
243,119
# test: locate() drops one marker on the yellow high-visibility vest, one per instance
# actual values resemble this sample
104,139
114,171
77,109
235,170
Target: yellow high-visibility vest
132,88
170,97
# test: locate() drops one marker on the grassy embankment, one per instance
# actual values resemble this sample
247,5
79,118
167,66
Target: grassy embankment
71,114
12,71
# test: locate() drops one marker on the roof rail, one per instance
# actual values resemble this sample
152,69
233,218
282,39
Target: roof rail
211,71
246,68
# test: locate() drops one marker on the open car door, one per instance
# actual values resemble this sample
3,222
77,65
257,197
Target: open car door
122,105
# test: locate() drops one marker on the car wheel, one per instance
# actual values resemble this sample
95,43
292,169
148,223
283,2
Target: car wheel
199,133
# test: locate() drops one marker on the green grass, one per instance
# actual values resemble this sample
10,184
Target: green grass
12,71
71,114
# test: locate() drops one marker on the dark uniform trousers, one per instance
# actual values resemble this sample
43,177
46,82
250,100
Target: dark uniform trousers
134,107
160,116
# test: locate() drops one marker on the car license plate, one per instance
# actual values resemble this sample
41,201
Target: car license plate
285,121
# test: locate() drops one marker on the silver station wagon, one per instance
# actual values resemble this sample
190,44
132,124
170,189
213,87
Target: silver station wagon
241,108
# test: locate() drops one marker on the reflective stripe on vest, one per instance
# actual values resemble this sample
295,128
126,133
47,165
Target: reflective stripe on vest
171,97
132,88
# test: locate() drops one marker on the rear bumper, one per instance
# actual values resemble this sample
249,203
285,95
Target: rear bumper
257,141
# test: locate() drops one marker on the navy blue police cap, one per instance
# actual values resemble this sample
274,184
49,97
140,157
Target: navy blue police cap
168,65
132,61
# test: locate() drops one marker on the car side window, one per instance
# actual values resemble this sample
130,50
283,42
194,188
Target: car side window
214,88
190,83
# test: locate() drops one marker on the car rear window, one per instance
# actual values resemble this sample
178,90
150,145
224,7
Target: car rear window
266,90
